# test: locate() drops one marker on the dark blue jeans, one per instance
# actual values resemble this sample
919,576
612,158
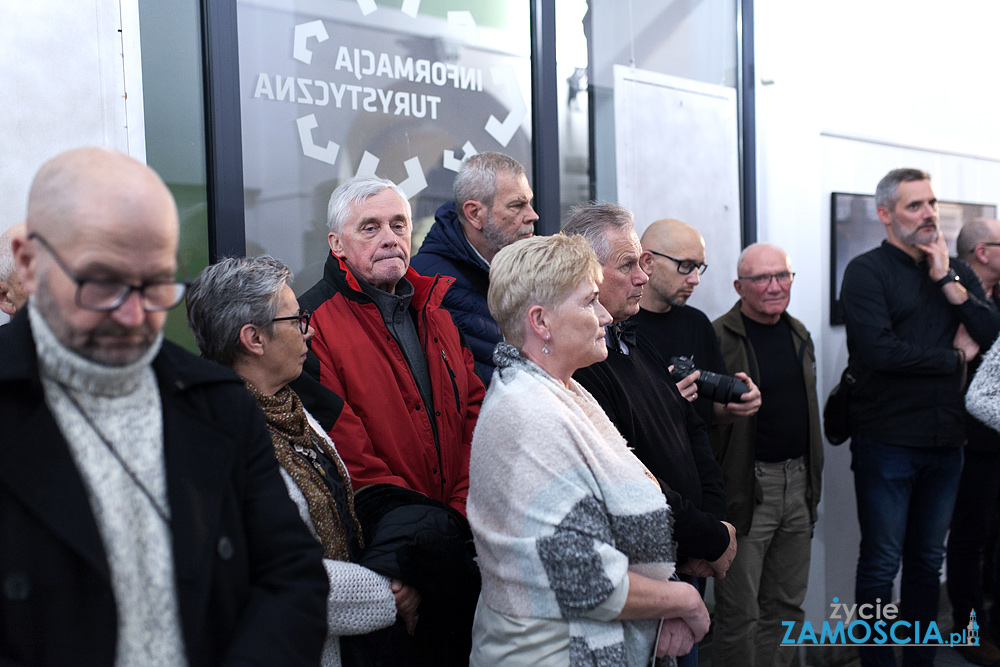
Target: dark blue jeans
905,498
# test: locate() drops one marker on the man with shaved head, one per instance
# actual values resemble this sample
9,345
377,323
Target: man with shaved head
144,517
12,295
978,496
772,464
673,256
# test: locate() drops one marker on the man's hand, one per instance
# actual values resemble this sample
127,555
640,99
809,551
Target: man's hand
964,342
687,386
407,602
696,567
676,638
721,565
749,402
938,262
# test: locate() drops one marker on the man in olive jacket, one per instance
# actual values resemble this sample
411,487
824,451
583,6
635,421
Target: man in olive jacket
772,464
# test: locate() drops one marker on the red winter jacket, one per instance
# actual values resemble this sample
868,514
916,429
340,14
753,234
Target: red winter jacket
387,438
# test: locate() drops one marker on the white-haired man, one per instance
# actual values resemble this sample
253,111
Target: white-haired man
143,514
384,343
492,209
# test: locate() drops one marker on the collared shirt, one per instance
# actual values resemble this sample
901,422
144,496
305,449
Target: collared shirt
900,336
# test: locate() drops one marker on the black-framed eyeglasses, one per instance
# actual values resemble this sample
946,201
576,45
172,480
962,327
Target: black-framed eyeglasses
991,243
303,317
784,278
106,295
684,266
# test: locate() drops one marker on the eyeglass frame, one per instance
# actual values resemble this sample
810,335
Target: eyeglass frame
989,243
127,288
303,316
700,266
757,279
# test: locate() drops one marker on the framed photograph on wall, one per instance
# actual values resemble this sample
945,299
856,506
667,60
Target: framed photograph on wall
855,228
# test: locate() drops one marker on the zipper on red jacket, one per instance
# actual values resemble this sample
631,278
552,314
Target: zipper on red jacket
437,430
454,384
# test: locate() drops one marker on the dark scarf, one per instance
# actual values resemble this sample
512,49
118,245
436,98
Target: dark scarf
295,444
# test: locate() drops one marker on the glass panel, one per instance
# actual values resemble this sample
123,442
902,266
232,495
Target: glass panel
174,113
693,40
405,90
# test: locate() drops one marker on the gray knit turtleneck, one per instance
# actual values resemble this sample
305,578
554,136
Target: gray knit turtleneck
122,404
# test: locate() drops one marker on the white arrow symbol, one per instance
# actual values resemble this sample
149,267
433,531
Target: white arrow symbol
411,7
504,132
303,32
306,125
454,164
414,183
367,6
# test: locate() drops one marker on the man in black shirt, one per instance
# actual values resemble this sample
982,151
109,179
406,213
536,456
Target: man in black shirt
914,319
673,256
772,464
662,427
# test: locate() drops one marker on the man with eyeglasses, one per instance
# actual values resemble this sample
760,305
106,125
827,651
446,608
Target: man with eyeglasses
772,464
978,498
673,256
144,519
914,320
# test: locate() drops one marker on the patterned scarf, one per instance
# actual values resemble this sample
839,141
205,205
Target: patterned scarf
293,441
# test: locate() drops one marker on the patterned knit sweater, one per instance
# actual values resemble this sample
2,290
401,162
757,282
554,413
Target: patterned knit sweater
562,511
130,505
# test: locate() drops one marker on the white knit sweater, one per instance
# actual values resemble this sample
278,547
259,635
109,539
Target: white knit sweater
983,398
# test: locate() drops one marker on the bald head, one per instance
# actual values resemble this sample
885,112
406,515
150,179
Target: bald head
764,282
100,218
672,252
975,246
88,187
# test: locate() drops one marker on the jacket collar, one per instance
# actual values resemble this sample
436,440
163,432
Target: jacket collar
447,238
426,291
733,321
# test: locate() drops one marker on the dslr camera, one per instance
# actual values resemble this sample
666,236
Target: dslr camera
719,388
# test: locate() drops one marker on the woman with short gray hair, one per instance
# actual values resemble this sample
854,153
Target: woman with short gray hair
573,533
244,315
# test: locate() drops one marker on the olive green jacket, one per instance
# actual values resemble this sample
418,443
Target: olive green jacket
734,444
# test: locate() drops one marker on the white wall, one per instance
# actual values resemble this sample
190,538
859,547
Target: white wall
851,90
64,68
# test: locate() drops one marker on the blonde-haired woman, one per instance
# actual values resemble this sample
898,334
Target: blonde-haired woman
573,533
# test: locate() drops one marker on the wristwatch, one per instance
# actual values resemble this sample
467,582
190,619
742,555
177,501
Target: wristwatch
950,277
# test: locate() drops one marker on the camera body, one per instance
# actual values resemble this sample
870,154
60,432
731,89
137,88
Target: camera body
719,388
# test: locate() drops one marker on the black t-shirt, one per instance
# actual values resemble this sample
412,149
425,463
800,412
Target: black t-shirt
684,331
783,418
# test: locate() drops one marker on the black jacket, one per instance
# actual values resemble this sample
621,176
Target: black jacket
251,588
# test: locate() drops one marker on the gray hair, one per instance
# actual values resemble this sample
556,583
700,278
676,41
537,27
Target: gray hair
974,232
593,221
229,294
6,254
354,191
886,194
477,178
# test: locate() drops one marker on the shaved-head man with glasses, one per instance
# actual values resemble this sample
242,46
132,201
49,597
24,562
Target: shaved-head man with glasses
673,256
772,464
137,481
